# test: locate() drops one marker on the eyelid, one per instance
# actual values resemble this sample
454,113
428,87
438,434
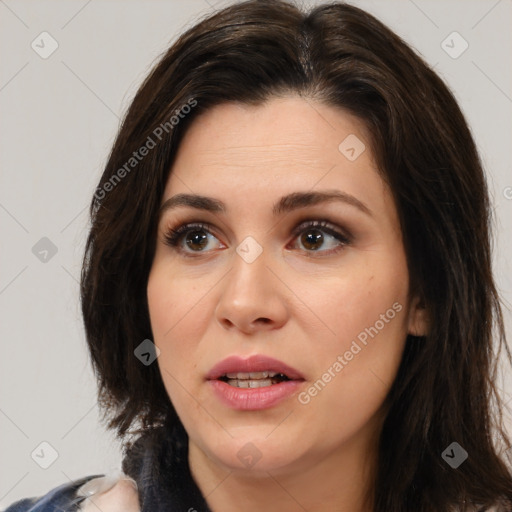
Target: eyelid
324,225
173,235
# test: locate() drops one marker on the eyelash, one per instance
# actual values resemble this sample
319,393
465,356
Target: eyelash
173,236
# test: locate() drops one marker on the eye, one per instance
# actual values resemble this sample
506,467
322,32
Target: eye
313,236
196,236
320,236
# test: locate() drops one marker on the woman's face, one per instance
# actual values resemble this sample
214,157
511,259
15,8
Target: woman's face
297,267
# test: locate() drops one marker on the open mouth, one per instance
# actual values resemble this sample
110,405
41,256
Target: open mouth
253,379
253,383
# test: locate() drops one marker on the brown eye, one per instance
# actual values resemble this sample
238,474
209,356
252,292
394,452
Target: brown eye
321,237
190,238
196,240
312,239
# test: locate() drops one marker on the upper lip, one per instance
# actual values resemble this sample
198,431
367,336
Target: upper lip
254,363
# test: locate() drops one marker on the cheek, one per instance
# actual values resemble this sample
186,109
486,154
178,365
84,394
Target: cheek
357,365
173,299
370,292
167,305
173,311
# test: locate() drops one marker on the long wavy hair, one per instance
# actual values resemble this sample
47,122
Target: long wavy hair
445,390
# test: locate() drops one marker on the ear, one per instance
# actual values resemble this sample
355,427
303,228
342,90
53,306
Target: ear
418,322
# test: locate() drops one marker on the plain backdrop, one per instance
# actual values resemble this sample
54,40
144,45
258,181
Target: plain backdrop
59,116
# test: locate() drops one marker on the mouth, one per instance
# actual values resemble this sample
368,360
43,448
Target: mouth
254,371
254,379
254,383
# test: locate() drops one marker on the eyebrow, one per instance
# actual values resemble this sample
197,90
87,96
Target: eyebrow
288,203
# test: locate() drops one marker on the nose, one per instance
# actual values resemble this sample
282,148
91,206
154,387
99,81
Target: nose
252,298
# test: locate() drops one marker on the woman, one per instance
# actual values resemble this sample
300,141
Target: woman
287,287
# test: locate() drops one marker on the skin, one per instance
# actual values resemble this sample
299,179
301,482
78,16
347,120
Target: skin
122,497
302,306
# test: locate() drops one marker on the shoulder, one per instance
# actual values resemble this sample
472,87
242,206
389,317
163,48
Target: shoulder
109,493
61,498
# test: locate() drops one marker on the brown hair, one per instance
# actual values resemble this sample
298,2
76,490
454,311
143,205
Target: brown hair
340,55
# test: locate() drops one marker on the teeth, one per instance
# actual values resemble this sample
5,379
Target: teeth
251,375
245,383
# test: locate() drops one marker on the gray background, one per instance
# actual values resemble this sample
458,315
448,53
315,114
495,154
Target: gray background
58,120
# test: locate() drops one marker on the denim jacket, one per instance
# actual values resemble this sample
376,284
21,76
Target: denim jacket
158,463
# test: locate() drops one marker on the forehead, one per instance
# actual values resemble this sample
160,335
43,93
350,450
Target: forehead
293,128
283,145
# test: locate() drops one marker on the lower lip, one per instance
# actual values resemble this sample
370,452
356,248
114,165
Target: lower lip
253,399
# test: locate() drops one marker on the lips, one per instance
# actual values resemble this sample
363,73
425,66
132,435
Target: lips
255,383
232,365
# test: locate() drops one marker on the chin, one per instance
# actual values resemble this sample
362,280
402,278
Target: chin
252,451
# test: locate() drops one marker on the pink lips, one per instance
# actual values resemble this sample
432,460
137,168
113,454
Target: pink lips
253,398
256,363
